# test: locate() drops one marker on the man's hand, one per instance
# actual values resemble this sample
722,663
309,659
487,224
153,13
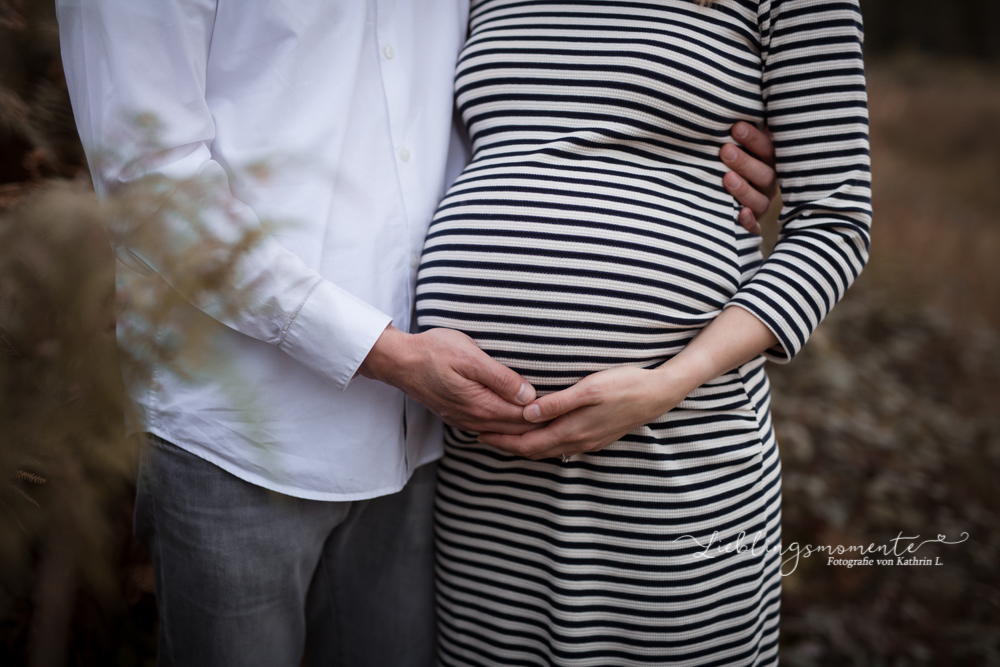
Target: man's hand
752,179
446,371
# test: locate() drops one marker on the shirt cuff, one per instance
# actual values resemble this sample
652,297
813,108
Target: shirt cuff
333,332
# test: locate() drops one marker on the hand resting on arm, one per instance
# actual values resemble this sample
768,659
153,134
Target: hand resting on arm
752,181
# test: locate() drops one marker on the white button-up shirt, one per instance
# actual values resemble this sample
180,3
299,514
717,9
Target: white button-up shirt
351,102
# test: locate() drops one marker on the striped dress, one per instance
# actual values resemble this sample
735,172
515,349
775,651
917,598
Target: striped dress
591,230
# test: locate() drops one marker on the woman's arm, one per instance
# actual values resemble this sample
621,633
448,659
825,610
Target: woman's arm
816,103
814,92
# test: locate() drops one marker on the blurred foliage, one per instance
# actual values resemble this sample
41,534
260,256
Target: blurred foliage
63,405
37,132
74,586
887,421
935,131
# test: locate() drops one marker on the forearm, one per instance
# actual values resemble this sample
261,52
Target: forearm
729,341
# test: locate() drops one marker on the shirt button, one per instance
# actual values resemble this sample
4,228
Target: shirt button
404,155
389,52
414,260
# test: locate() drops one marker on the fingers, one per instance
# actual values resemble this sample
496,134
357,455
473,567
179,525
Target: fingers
532,445
757,202
760,175
749,221
507,429
554,405
756,141
507,384
470,406
753,181
447,372
553,440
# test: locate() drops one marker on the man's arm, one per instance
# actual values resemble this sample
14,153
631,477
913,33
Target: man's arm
124,57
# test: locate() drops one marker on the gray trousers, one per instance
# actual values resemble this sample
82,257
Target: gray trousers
249,577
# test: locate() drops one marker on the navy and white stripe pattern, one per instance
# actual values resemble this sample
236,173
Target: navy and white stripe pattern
591,230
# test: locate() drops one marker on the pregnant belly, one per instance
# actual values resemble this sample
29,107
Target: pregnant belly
557,290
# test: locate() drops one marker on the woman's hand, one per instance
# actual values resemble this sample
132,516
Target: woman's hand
603,407
593,413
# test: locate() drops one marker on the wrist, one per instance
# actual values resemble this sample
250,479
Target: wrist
682,374
391,353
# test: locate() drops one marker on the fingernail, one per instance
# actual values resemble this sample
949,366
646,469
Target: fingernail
526,394
732,180
741,131
744,216
729,153
533,413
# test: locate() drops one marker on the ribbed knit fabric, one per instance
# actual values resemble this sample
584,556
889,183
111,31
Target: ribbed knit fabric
592,230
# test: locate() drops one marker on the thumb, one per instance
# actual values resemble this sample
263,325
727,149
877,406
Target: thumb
503,381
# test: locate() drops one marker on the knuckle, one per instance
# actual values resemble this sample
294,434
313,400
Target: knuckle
503,380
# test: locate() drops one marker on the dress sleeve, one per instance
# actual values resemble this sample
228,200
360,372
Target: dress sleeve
816,106
126,57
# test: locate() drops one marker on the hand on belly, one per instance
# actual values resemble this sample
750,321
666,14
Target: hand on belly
447,372
593,413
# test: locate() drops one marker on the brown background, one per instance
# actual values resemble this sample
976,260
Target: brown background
888,422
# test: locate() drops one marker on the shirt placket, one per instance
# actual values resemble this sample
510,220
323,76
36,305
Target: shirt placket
391,59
